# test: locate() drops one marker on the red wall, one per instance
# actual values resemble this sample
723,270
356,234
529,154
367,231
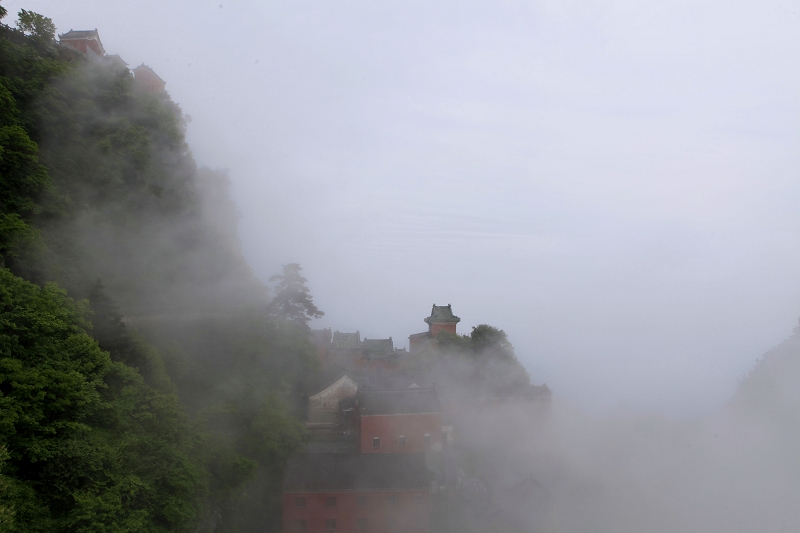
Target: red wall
390,427
436,328
409,513
83,45
148,81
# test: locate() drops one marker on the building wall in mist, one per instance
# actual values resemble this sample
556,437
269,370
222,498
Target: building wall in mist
417,340
149,80
435,328
84,45
389,428
391,511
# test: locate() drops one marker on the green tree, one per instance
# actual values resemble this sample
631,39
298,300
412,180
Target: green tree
6,495
488,339
292,302
36,25
93,447
22,178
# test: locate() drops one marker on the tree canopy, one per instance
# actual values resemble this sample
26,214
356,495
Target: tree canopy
36,25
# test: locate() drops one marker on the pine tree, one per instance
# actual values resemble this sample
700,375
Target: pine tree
292,302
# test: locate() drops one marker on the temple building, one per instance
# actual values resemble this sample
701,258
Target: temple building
382,453
86,41
326,407
441,319
399,420
148,80
367,358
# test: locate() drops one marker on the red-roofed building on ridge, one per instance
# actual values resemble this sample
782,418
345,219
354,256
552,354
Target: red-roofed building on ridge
148,80
86,41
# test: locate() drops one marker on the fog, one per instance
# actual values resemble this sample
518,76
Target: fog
613,184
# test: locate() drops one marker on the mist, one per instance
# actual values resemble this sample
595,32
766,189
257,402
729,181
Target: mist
531,466
612,184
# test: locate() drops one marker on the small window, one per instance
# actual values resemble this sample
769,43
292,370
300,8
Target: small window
299,502
361,524
300,525
362,501
330,523
376,443
392,499
330,501
427,439
401,441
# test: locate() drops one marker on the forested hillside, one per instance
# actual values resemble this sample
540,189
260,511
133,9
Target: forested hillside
146,383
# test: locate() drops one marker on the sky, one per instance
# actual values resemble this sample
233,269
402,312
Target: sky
614,184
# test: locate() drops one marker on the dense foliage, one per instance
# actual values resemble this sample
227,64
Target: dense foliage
146,381
91,447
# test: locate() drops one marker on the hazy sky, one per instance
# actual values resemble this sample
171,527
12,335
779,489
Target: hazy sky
615,184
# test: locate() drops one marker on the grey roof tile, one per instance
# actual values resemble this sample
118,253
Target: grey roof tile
397,401
442,314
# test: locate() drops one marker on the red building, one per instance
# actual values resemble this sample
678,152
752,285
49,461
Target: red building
367,358
441,319
148,80
399,421
86,41
370,493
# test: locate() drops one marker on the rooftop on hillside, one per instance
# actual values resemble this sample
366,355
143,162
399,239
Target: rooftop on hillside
83,35
346,340
378,347
80,34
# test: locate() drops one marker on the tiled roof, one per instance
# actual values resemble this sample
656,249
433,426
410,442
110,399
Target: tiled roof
341,380
333,472
79,34
442,314
346,340
83,34
397,402
379,345
378,348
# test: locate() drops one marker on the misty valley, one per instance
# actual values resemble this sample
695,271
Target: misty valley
151,382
